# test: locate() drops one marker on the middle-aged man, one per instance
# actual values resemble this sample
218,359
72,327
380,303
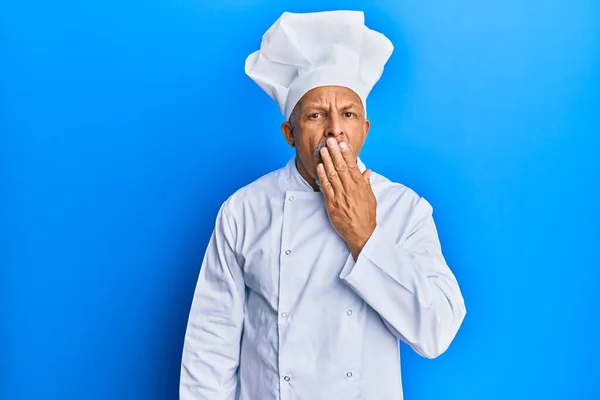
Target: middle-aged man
314,271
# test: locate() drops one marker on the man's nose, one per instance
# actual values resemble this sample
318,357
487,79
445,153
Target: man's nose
335,127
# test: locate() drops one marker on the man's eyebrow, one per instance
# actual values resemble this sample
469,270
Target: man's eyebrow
314,105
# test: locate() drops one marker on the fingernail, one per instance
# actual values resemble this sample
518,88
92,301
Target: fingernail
344,145
331,142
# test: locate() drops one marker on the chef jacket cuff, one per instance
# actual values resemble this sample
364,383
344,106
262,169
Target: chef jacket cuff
365,254
382,253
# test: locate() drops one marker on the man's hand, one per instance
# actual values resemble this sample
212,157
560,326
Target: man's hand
349,198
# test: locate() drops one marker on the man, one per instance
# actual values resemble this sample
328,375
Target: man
314,271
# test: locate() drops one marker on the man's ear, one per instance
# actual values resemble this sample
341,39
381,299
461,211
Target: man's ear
288,133
367,126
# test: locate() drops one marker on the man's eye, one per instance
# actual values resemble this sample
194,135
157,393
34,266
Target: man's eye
314,115
349,114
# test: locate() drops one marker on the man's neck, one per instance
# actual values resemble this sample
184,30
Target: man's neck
304,173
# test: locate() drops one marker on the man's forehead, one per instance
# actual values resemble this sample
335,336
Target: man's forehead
327,94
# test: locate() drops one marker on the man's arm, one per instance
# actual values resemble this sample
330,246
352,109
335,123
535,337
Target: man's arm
409,284
407,281
210,360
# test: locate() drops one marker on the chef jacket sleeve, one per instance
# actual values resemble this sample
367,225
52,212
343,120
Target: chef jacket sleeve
408,283
211,350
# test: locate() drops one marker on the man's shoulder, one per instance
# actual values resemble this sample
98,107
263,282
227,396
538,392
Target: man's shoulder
389,189
396,194
264,189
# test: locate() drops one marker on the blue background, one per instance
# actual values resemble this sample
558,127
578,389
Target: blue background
124,125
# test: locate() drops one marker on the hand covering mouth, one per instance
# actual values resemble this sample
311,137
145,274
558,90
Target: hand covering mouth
323,143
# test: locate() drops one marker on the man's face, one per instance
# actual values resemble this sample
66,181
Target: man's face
323,112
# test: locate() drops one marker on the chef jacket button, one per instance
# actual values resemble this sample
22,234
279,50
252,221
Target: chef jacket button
349,374
288,252
291,198
286,378
349,312
284,315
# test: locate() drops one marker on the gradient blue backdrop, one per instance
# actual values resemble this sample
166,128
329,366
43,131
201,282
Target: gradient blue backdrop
125,124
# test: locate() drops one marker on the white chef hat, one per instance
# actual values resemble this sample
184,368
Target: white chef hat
301,51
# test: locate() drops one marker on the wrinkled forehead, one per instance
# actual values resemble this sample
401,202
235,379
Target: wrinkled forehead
326,96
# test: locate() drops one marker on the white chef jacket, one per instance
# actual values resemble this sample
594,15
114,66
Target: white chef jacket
281,309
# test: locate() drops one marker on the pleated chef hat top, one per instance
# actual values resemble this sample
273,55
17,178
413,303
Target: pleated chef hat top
301,51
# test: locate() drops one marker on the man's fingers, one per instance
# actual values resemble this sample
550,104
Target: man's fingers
326,187
333,176
339,163
367,176
350,161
